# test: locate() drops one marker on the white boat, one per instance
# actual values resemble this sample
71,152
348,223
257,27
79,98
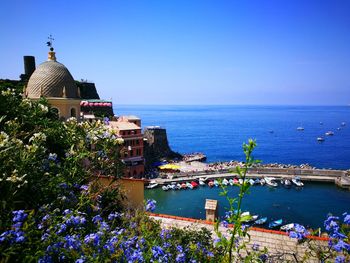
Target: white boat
320,139
231,182
262,181
300,128
171,187
178,186
251,181
201,182
225,182
240,181
287,182
189,185
202,179
257,181
343,123
151,186
287,227
329,133
216,183
165,188
270,181
296,180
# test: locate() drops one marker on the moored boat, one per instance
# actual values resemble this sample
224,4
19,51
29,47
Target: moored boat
251,181
151,186
235,181
201,182
211,183
216,182
270,181
165,188
183,186
297,181
320,139
287,227
257,181
300,128
261,221
225,182
231,182
189,185
194,184
275,223
262,181
329,133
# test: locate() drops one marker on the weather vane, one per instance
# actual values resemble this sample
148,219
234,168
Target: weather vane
49,43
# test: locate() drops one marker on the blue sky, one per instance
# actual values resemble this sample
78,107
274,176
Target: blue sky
189,52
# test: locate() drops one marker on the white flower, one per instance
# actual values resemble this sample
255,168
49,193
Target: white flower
39,136
43,108
4,138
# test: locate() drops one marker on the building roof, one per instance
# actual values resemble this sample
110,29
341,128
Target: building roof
123,125
52,79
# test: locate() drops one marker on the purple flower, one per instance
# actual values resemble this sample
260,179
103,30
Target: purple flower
67,211
104,226
113,216
106,120
299,232
19,216
179,248
340,259
150,205
181,257
157,252
165,234
228,214
263,257
341,245
84,188
96,219
93,238
216,240
224,223
72,242
255,247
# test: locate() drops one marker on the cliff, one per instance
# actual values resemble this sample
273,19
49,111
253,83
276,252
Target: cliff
156,146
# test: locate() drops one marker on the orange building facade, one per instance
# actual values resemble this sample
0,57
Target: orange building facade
129,128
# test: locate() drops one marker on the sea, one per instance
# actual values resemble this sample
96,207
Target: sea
220,131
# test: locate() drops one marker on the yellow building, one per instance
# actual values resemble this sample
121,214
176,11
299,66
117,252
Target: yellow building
53,81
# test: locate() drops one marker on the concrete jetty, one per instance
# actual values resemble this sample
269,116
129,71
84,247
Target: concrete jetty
339,177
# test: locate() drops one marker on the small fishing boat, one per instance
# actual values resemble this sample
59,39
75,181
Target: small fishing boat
251,181
287,227
151,186
261,221
165,188
296,180
201,182
225,182
211,183
338,128
300,128
320,139
202,179
240,181
343,123
216,183
231,182
270,181
262,181
194,184
251,219
287,183
189,185
321,123
178,186
171,187
183,186
329,133
257,181
275,223
235,181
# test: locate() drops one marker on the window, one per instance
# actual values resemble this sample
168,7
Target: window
137,142
131,153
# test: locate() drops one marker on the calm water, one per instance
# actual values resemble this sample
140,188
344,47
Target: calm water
219,131
308,205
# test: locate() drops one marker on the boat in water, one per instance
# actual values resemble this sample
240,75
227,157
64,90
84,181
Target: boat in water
300,128
235,181
262,181
287,227
275,223
183,186
201,182
329,133
211,183
189,185
257,181
297,181
343,123
216,183
225,182
261,221
165,188
151,186
231,182
320,139
251,181
270,181
194,184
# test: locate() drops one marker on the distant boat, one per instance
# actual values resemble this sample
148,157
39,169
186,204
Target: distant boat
296,180
201,182
151,186
275,223
287,183
329,133
257,181
194,184
261,221
300,128
211,184
287,227
343,123
251,181
270,131
321,123
231,181
262,181
338,128
165,188
216,182
270,181
320,139
225,182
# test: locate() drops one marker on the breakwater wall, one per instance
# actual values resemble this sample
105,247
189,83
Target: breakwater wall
297,171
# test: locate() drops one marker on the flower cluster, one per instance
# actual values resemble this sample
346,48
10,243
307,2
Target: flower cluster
150,205
339,240
299,232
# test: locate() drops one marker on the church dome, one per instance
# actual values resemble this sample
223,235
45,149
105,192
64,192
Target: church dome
52,79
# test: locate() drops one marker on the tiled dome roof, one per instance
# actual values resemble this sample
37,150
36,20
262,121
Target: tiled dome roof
52,79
